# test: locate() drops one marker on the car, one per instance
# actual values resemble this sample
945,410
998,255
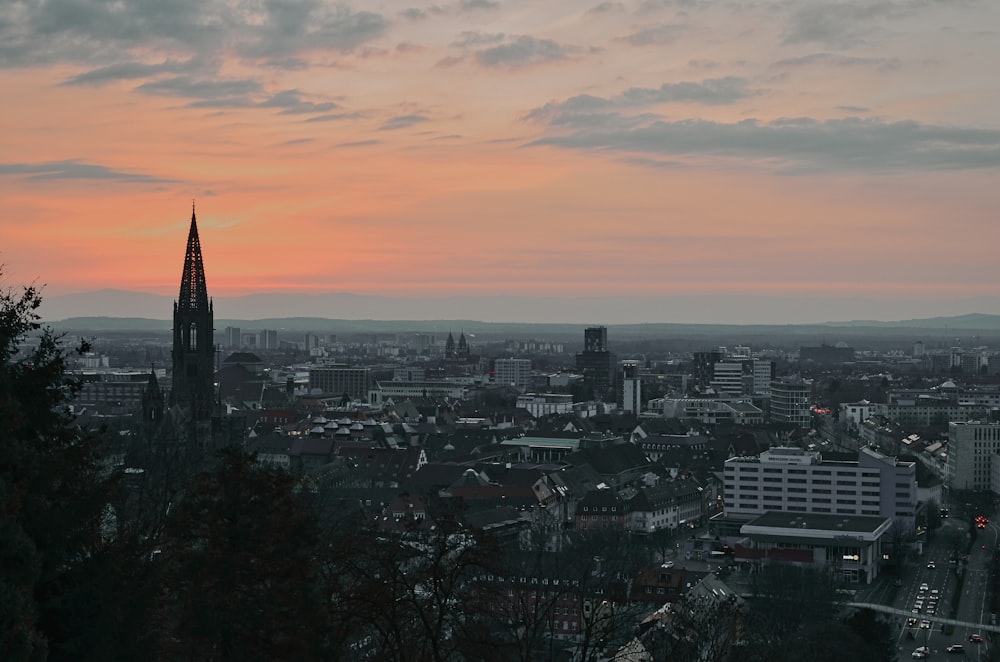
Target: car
924,587
935,593
980,525
918,604
956,648
921,653
931,611
667,564
931,565
975,638
925,624
911,622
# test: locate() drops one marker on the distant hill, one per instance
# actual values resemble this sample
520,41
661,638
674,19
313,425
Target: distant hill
788,335
464,312
970,322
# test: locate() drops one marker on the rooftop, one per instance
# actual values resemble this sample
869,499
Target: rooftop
819,522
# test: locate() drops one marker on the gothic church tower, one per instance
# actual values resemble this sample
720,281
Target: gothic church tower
193,353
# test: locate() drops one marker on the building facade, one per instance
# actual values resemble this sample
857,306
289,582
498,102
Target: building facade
798,481
513,372
341,380
790,402
631,387
595,362
972,447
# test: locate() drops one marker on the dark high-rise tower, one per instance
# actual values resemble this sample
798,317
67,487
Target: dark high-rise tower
595,362
193,328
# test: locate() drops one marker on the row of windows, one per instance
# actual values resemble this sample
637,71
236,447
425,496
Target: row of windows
730,497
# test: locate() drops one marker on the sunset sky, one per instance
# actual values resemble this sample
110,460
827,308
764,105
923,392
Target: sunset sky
558,148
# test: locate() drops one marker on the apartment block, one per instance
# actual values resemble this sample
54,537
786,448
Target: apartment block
513,372
972,447
340,380
797,480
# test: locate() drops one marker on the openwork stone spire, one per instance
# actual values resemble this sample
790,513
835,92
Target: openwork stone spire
194,293
192,379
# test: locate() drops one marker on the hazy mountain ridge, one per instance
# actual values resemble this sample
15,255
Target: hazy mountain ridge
811,334
465,313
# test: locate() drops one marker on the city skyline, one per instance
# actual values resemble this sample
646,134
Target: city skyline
828,152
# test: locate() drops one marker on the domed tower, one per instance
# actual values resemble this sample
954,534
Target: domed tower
193,353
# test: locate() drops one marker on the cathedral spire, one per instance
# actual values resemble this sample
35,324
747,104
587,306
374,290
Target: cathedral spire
192,378
194,292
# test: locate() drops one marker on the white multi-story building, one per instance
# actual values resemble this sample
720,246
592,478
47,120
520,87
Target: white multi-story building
741,376
972,447
543,404
513,372
710,411
853,414
399,391
796,480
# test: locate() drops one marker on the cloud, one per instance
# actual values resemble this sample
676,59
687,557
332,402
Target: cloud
292,103
336,117
711,91
471,5
654,35
840,61
132,70
402,122
359,143
522,51
474,38
75,169
285,28
408,47
210,93
843,23
413,14
108,33
606,8
791,145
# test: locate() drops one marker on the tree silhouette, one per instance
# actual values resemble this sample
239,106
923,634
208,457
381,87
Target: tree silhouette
53,493
240,563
